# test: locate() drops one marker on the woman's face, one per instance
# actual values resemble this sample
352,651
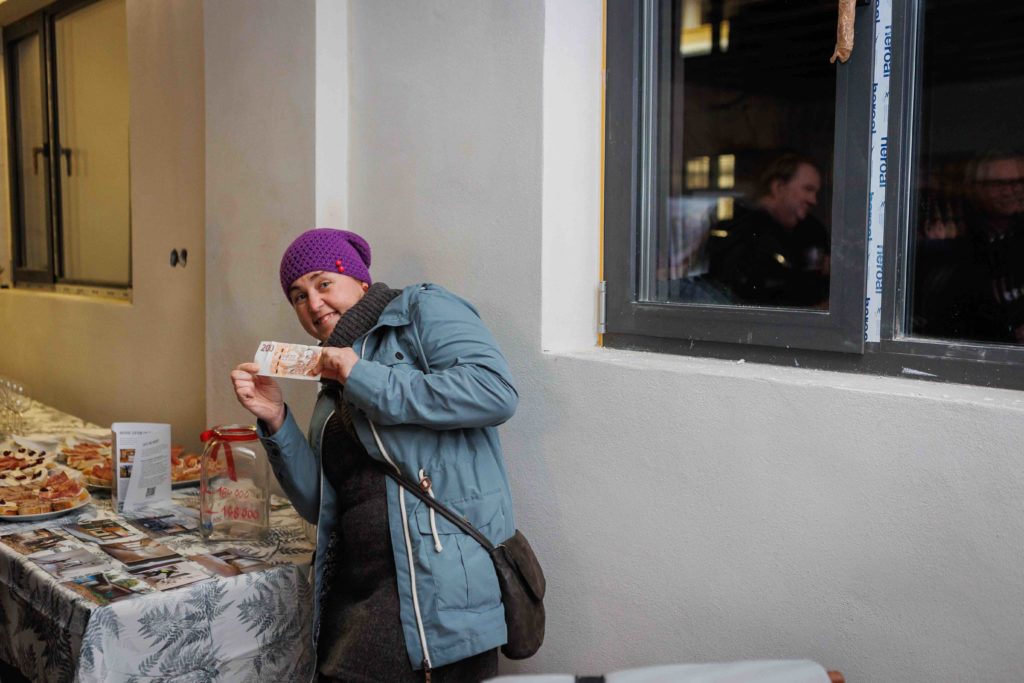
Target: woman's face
320,299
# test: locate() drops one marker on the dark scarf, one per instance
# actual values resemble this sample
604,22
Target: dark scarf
359,602
356,322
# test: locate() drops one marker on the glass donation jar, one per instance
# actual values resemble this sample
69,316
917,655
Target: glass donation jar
234,485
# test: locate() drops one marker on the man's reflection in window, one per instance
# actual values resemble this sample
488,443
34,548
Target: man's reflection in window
969,280
773,252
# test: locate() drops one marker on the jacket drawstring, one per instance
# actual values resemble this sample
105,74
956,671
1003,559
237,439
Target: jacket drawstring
425,485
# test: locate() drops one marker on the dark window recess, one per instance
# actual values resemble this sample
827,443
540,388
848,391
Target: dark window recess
727,132
967,274
736,186
747,213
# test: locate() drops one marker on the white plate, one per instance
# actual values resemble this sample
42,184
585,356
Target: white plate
88,435
39,442
45,515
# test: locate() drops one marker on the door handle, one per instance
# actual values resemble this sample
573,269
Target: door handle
36,151
66,153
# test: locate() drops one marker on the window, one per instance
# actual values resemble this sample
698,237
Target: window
67,111
758,204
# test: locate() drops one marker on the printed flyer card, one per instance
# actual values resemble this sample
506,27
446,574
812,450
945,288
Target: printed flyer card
166,525
140,552
66,564
142,465
167,576
107,587
103,531
34,541
230,562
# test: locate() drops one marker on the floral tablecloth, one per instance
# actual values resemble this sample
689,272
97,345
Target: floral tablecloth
250,627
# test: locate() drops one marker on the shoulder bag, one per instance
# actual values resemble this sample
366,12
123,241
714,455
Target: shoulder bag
519,576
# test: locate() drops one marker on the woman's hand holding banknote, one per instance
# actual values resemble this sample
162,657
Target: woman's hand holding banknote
260,395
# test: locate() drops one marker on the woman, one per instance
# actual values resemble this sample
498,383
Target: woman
411,378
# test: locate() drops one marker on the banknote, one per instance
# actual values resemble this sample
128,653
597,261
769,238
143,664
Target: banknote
281,359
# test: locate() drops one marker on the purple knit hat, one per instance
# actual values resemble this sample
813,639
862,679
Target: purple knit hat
336,251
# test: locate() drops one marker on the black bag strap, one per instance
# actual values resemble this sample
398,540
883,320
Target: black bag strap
445,512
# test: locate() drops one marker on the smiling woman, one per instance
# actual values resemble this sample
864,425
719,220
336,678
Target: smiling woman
413,378
321,298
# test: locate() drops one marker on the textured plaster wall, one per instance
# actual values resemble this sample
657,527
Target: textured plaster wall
685,510
260,170
142,361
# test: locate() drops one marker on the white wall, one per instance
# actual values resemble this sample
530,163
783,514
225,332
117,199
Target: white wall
144,361
332,113
570,249
683,509
260,161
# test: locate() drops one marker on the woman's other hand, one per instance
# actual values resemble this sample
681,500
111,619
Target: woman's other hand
337,363
259,395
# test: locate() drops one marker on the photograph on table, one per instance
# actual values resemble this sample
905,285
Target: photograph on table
168,576
230,562
66,564
103,531
165,525
34,540
107,587
143,551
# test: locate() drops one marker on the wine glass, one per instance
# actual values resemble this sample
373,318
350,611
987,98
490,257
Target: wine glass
6,411
19,404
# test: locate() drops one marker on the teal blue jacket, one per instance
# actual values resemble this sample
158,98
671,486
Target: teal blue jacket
427,394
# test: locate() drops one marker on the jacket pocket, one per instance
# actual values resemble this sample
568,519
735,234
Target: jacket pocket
462,571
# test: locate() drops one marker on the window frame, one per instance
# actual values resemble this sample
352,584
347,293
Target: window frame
630,53
12,34
778,343
44,21
904,98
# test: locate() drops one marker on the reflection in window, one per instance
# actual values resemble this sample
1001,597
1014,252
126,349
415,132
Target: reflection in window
967,278
752,110
698,173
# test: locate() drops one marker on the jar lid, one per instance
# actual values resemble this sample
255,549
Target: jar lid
230,433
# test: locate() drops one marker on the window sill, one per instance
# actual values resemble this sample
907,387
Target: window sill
89,293
693,366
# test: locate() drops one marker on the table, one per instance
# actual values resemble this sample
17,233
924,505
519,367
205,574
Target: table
252,627
42,419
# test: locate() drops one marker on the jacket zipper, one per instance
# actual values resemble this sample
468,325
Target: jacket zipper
408,544
408,554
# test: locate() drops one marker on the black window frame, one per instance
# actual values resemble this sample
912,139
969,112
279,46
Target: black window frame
785,336
12,34
43,22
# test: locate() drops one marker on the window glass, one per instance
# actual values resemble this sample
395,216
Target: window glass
92,99
31,154
746,193
966,281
